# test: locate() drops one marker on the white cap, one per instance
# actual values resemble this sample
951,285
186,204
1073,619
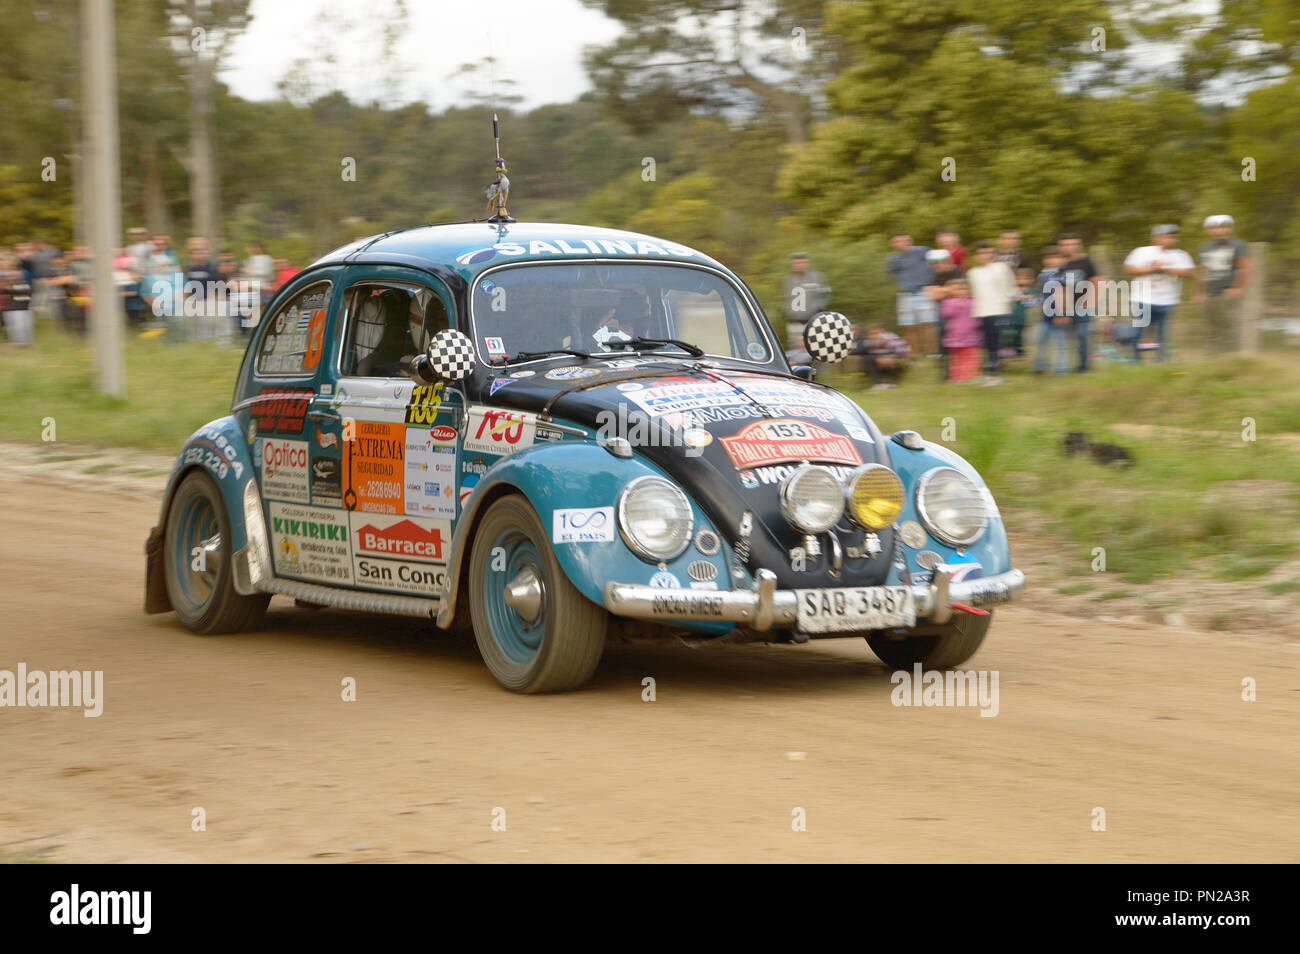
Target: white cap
1217,220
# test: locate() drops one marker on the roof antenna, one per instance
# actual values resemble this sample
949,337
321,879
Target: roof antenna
499,190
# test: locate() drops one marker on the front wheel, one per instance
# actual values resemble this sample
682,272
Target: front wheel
534,630
196,562
942,648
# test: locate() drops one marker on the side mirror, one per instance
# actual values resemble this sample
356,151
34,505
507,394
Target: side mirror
805,371
828,336
450,358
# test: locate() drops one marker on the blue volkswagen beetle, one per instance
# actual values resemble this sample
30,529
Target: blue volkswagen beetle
548,433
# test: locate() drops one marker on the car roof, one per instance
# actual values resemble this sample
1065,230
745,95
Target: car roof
468,248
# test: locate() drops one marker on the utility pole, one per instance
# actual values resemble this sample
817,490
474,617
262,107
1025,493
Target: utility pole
102,193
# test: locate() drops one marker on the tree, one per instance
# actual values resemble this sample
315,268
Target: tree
203,30
732,57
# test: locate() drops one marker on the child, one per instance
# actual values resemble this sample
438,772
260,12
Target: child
1050,291
962,331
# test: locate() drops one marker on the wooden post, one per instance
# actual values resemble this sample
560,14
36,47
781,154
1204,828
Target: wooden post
1253,299
103,192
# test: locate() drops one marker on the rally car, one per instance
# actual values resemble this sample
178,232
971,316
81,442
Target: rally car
550,433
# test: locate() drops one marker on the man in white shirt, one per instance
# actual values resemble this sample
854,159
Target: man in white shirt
993,291
1160,270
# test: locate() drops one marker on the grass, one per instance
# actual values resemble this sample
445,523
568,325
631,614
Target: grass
1182,506
171,389
1284,586
1074,589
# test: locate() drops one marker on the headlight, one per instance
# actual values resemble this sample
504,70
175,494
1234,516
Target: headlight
812,499
951,506
873,496
655,518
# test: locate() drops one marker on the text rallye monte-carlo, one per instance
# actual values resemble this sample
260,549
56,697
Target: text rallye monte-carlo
549,432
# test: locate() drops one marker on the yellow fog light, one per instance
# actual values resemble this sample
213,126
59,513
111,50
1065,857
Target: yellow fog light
873,495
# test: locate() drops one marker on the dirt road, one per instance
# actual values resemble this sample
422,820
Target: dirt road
1145,722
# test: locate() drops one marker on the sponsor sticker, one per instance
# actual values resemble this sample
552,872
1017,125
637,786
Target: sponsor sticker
522,374
430,476
498,431
327,481
666,581
281,410
786,441
374,467
495,345
400,554
285,474
583,525
310,543
571,373
498,384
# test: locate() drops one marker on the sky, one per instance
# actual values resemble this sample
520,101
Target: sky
538,43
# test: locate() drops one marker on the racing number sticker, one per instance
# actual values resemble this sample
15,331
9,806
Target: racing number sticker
315,340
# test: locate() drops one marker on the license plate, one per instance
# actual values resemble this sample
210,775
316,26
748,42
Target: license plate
850,609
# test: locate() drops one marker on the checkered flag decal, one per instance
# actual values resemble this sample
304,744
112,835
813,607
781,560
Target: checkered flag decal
828,336
451,355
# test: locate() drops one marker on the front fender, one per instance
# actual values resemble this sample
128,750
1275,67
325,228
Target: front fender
218,449
566,475
990,552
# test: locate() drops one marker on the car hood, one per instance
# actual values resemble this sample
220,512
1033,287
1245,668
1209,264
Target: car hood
729,437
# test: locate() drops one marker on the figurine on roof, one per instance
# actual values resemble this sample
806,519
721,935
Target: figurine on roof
497,194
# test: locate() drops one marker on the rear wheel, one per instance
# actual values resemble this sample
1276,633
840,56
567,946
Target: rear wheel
940,648
196,562
534,630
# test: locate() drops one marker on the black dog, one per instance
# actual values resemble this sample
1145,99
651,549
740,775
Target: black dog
1077,443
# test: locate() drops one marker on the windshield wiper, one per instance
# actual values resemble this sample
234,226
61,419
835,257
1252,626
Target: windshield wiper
649,344
530,355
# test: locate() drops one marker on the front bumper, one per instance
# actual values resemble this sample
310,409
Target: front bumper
765,607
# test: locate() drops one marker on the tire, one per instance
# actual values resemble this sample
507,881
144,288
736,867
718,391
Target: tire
945,647
204,600
558,648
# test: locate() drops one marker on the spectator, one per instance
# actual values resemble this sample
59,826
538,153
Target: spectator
1080,281
229,300
805,293
961,331
1050,298
283,272
1160,268
16,301
1226,270
137,247
1010,253
994,290
882,355
127,283
199,273
908,267
941,263
950,241
259,268
160,277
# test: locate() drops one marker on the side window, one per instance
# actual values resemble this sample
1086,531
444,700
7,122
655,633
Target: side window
295,335
387,325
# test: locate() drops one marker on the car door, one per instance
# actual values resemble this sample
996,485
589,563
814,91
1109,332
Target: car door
308,533
398,439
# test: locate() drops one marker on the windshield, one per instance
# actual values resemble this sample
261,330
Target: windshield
604,308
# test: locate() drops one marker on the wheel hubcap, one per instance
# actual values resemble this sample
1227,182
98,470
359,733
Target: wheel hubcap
524,594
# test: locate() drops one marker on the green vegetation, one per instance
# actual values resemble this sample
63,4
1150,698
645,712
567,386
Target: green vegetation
172,389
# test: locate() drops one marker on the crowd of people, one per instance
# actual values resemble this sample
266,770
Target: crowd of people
198,296
972,308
